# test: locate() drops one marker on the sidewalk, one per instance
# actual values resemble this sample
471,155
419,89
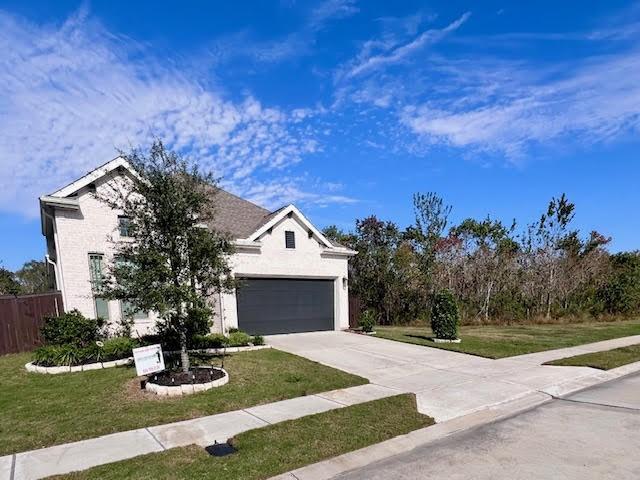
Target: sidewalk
201,431
449,386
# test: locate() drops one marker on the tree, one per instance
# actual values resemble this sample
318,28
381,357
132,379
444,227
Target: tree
33,277
173,261
8,283
490,249
431,218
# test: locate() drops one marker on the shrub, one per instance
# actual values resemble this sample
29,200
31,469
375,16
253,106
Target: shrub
233,330
258,340
117,348
444,316
367,320
239,339
63,355
213,340
71,328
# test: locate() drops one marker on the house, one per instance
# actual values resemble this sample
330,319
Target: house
293,279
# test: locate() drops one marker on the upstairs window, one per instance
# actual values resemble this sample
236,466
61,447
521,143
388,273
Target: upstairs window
124,225
95,271
289,239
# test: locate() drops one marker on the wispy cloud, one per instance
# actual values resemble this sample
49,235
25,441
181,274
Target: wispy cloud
595,101
299,43
494,101
366,63
70,95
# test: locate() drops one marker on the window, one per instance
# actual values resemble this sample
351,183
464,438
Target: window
289,239
129,311
102,308
97,281
124,225
95,271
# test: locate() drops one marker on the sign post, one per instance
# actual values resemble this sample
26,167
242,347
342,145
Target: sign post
148,359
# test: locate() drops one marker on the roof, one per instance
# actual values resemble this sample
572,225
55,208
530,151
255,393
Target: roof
236,216
239,218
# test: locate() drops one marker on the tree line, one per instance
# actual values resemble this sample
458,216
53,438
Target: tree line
498,272
32,277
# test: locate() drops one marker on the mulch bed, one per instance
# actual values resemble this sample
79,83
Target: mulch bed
173,378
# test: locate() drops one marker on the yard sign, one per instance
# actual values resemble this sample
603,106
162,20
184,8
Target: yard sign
148,359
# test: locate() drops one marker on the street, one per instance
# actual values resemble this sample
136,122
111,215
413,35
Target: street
594,434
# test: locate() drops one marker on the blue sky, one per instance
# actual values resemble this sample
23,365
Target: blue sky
344,108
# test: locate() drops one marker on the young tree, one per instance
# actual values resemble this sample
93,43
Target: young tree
33,277
173,261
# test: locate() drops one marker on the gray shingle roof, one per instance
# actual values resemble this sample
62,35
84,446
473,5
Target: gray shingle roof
236,216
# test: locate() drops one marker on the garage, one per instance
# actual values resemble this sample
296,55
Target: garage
269,306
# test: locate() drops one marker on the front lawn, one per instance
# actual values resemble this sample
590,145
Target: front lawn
38,410
269,451
603,360
493,341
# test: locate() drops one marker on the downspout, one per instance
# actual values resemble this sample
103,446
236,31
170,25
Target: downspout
57,270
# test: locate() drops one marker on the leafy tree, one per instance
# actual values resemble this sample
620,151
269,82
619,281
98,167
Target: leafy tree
491,248
8,283
33,277
173,262
621,293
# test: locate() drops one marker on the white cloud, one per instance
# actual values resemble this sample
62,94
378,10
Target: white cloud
70,95
598,101
367,63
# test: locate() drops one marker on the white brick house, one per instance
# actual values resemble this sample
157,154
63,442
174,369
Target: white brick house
292,277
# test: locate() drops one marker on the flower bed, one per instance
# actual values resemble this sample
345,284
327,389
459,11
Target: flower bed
198,379
32,367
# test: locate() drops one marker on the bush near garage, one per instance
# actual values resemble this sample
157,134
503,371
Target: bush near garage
367,321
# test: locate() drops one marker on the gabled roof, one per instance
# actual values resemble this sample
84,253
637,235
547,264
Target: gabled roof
239,218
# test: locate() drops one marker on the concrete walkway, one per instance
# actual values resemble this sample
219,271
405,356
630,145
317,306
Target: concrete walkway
448,384
202,431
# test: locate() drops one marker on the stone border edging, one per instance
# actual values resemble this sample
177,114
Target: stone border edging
32,367
166,391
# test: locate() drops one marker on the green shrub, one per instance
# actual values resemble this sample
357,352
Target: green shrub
213,340
117,348
239,339
258,340
63,355
444,316
233,330
71,328
367,320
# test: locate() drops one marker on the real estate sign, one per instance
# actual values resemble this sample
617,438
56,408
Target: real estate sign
148,359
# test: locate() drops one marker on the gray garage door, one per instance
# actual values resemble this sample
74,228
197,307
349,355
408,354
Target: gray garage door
273,305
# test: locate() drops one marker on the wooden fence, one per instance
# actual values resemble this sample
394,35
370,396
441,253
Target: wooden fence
355,309
21,318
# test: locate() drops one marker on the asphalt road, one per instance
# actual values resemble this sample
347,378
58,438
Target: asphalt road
594,434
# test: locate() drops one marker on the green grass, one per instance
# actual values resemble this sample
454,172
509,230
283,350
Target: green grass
603,360
278,448
505,341
39,410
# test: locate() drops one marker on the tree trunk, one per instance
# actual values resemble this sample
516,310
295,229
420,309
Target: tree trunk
184,355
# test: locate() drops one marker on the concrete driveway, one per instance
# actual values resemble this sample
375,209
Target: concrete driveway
447,384
593,434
